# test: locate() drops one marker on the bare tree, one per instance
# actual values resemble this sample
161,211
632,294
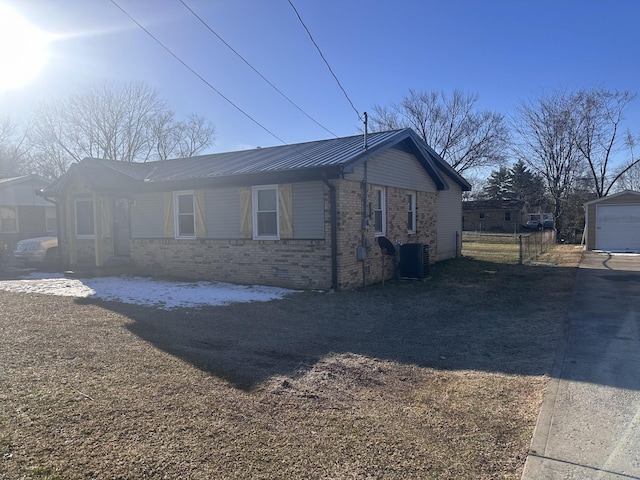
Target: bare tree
126,122
13,147
629,172
467,138
546,143
599,114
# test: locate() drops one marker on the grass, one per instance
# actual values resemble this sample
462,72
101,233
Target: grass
439,379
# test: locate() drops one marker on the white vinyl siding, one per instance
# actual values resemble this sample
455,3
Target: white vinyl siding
395,168
449,221
147,216
308,210
223,213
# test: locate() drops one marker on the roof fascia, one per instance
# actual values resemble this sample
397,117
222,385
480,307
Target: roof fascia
448,169
609,197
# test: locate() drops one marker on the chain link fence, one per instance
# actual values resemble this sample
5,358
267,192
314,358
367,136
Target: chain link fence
507,248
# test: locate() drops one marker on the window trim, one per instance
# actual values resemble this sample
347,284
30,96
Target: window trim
93,225
255,212
413,212
177,214
383,209
15,217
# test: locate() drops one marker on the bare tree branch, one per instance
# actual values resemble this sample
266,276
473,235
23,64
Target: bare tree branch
126,122
452,125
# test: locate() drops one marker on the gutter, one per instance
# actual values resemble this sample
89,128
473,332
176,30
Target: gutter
334,232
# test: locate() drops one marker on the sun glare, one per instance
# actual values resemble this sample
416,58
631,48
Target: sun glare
23,49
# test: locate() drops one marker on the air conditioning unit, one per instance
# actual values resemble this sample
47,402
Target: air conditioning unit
414,260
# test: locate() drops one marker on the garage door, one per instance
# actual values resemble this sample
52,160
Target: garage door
618,228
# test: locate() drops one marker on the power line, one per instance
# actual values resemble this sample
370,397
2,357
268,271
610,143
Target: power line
194,72
254,69
325,60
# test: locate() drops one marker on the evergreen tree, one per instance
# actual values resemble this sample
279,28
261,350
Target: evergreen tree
498,185
515,183
525,185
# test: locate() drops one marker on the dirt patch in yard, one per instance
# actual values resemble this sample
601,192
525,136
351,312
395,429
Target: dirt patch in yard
435,379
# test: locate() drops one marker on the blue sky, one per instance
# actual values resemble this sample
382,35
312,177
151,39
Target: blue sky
506,51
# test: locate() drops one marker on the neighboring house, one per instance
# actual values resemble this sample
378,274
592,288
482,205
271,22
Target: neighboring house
24,214
291,216
613,223
494,215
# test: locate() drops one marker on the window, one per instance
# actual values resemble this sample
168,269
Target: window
50,219
379,214
411,213
265,212
8,219
481,215
185,215
507,216
84,218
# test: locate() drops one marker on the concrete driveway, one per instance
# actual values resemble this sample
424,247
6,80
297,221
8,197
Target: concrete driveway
589,424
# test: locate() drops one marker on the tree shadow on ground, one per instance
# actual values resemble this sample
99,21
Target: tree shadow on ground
471,315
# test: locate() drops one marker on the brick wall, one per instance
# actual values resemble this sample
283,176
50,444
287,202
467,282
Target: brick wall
286,263
354,273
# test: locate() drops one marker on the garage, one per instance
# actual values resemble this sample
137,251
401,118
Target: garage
613,223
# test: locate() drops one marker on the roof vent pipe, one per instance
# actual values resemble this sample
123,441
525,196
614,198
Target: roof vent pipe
366,118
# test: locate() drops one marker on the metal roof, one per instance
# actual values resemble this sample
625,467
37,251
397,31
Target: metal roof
333,155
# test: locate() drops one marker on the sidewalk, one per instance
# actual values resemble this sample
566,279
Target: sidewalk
589,424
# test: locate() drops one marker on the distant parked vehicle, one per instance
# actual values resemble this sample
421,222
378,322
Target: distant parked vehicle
39,250
533,225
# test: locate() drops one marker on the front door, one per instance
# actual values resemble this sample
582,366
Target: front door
121,228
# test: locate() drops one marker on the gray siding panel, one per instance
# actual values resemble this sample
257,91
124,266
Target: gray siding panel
308,210
223,213
449,223
395,168
147,216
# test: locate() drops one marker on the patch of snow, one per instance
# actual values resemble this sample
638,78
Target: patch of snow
144,291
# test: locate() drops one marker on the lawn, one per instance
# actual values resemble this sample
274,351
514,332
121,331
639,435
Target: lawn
439,379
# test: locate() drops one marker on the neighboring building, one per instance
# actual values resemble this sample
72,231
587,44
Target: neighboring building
23,214
291,216
494,215
613,223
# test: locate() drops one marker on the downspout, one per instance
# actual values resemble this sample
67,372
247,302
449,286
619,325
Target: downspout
365,217
333,208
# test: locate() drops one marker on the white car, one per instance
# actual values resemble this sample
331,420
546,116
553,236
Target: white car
37,250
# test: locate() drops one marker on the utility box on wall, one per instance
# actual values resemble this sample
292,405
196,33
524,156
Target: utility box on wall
414,260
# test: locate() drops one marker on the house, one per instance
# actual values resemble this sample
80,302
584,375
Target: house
303,216
494,215
23,214
612,223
